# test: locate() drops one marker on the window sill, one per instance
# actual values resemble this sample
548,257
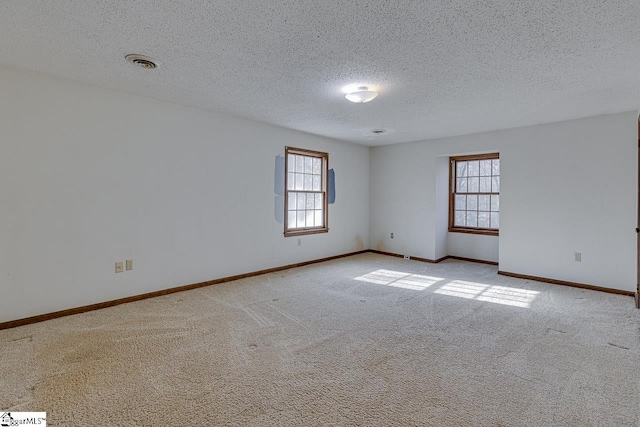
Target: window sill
483,231
293,233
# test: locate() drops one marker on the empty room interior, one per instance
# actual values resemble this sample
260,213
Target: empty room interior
320,212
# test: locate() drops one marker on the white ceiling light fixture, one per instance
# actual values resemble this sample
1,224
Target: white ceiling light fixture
362,95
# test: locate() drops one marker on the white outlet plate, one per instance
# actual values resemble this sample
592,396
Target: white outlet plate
578,256
119,268
391,235
129,264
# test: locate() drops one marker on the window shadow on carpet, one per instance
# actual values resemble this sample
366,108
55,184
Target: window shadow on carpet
456,288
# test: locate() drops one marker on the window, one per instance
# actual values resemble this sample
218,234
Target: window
305,192
474,202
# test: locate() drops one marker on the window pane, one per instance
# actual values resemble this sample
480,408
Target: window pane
472,203
473,206
474,185
483,203
495,184
310,200
474,168
301,201
485,184
495,220
485,167
472,219
305,190
495,166
483,219
495,203
461,169
291,163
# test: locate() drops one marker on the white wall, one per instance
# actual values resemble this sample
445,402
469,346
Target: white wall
442,207
566,187
474,246
402,200
89,177
575,190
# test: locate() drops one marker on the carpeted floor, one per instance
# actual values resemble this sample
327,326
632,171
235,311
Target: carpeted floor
367,340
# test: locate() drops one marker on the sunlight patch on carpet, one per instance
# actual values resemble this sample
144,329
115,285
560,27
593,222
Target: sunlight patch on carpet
399,279
489,293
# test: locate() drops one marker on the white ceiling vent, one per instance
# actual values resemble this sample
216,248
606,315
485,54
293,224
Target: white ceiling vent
142,61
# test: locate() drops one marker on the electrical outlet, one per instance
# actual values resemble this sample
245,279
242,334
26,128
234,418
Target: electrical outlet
391,235
407,257
578,256
119,267
129,264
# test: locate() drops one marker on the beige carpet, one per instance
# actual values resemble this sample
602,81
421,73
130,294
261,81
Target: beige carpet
367,340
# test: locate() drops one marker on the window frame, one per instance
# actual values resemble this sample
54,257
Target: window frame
324,190
452,193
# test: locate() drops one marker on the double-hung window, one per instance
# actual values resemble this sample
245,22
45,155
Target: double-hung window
305,192
474,202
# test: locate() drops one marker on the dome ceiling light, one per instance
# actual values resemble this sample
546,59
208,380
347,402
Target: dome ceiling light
362,95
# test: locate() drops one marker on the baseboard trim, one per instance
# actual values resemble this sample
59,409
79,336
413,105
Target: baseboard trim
430,261
636,295
565,283
375,251
83,309
106,304
479,261
435,261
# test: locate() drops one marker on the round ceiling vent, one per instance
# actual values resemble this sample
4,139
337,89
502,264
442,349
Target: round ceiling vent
378,131
142,61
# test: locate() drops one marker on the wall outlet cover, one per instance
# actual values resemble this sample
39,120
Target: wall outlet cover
129,264
119,268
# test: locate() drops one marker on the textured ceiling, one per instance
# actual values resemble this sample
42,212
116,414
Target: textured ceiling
442,68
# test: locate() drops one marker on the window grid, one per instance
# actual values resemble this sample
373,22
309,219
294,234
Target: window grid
306,201
475,194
